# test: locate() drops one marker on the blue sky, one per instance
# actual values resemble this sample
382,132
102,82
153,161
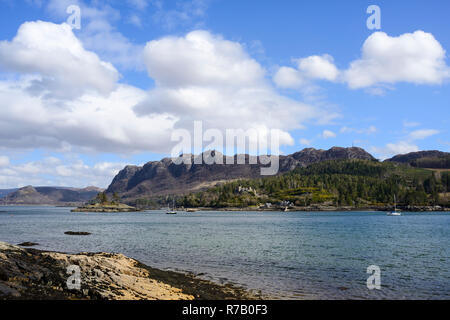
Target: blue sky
78,105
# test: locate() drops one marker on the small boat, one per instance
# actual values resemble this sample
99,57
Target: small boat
172,211
395,212
286,209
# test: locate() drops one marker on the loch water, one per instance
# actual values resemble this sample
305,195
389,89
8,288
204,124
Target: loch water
283,255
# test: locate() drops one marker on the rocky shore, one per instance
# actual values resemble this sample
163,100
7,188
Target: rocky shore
39,275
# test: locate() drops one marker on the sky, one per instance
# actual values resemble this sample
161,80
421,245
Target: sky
79,102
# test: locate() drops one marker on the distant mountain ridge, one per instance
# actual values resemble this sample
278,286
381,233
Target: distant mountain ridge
164,177
161,178
30,195
424,159
5,192
408,157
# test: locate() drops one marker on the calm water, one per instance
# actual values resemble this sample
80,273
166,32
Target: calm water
285,255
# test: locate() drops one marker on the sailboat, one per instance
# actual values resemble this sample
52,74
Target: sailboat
395,212
172,211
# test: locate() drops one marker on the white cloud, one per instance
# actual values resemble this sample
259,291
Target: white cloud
401,147
55,172
204,77
308,69
392,149
53,51
198,77
4,161
90,123
326,134
99,34
288,78
404,146
318,67
422,134
200,59
411,57
369,130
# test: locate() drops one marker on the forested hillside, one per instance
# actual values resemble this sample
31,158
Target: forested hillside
355,183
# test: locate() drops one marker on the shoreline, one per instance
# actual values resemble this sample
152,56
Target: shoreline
31,274
317,208
327,209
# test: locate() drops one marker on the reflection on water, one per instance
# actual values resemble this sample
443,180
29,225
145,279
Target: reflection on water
285,255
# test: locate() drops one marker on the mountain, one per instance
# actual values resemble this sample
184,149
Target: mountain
158,178
30,195
5,192
424,159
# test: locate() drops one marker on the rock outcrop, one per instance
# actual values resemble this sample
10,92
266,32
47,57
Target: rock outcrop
34,274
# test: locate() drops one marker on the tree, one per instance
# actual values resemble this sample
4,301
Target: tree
115,198
102,198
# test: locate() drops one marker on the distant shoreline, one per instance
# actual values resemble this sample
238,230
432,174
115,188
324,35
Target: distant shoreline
252,209
334,209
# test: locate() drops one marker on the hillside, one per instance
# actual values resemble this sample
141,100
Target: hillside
351,183
159,178
49,195
424,159
5,192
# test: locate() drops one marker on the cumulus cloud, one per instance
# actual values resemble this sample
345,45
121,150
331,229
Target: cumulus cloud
56,172
200,59
198,77
308,69
53,51
204,77
99,34
288,78
411,57
318,67
89,123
